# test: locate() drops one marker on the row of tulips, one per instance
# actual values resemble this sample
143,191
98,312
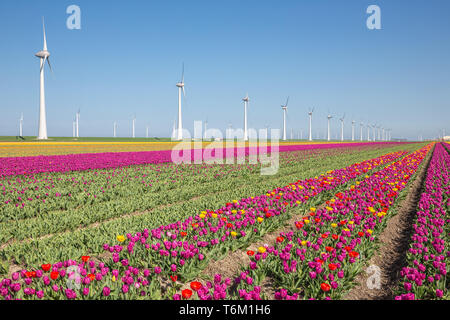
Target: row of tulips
11,166
177,251
321,256
425,276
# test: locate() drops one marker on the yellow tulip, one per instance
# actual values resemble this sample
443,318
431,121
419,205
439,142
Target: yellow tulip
334,225
120,238
259,219
261,249
233,233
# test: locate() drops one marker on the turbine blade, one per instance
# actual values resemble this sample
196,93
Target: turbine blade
43,64
49,65
182,73
45,39
287,101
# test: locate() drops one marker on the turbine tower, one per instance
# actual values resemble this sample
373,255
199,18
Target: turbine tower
21,125
174,129
342,127
310,113
115,129
361,129
329,117
368,131
146,132
373,131
77,122
180,86
133,126
353,130
246,100
43,55
284,107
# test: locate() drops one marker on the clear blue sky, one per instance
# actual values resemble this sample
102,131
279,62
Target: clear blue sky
127,58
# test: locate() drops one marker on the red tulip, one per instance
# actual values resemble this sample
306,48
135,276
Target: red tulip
46,267
186,293
280,239
195,285
54,275
174,278
250,253
85,258
91,276
325,287
332,266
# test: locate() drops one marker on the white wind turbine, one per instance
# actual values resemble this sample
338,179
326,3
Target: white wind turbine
284,107
133,126
180,86
43,55
146,132
342,127
77,123
246,100
353,130
21,125
329,117
373,131
115,129
361,131
310,113
368,131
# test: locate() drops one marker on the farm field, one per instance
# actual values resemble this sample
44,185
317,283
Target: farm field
133,225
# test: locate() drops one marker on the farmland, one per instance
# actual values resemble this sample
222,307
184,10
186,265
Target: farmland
133,225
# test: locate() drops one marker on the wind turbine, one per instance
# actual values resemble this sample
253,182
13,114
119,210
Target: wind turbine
368,131
342,127
373,131
146,132
361,129
329,117
115,129
310,113
180,86
284,107
246,100
77,122
353,130
133,126
21,125
43,55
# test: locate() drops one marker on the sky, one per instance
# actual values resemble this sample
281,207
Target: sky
127,58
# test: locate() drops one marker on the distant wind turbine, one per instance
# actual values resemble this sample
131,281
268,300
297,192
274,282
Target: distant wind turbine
246,100
310,113
133,126
115,129
342,127
284,108
180,86
361,129
43,55
329,117
21,125
77,121
353,130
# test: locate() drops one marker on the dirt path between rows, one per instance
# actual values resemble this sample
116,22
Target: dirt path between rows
394,244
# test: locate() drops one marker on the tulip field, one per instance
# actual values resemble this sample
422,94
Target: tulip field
131,224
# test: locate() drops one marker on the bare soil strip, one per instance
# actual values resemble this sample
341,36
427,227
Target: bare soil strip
394,243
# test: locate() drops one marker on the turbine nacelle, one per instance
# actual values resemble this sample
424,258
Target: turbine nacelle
43,54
